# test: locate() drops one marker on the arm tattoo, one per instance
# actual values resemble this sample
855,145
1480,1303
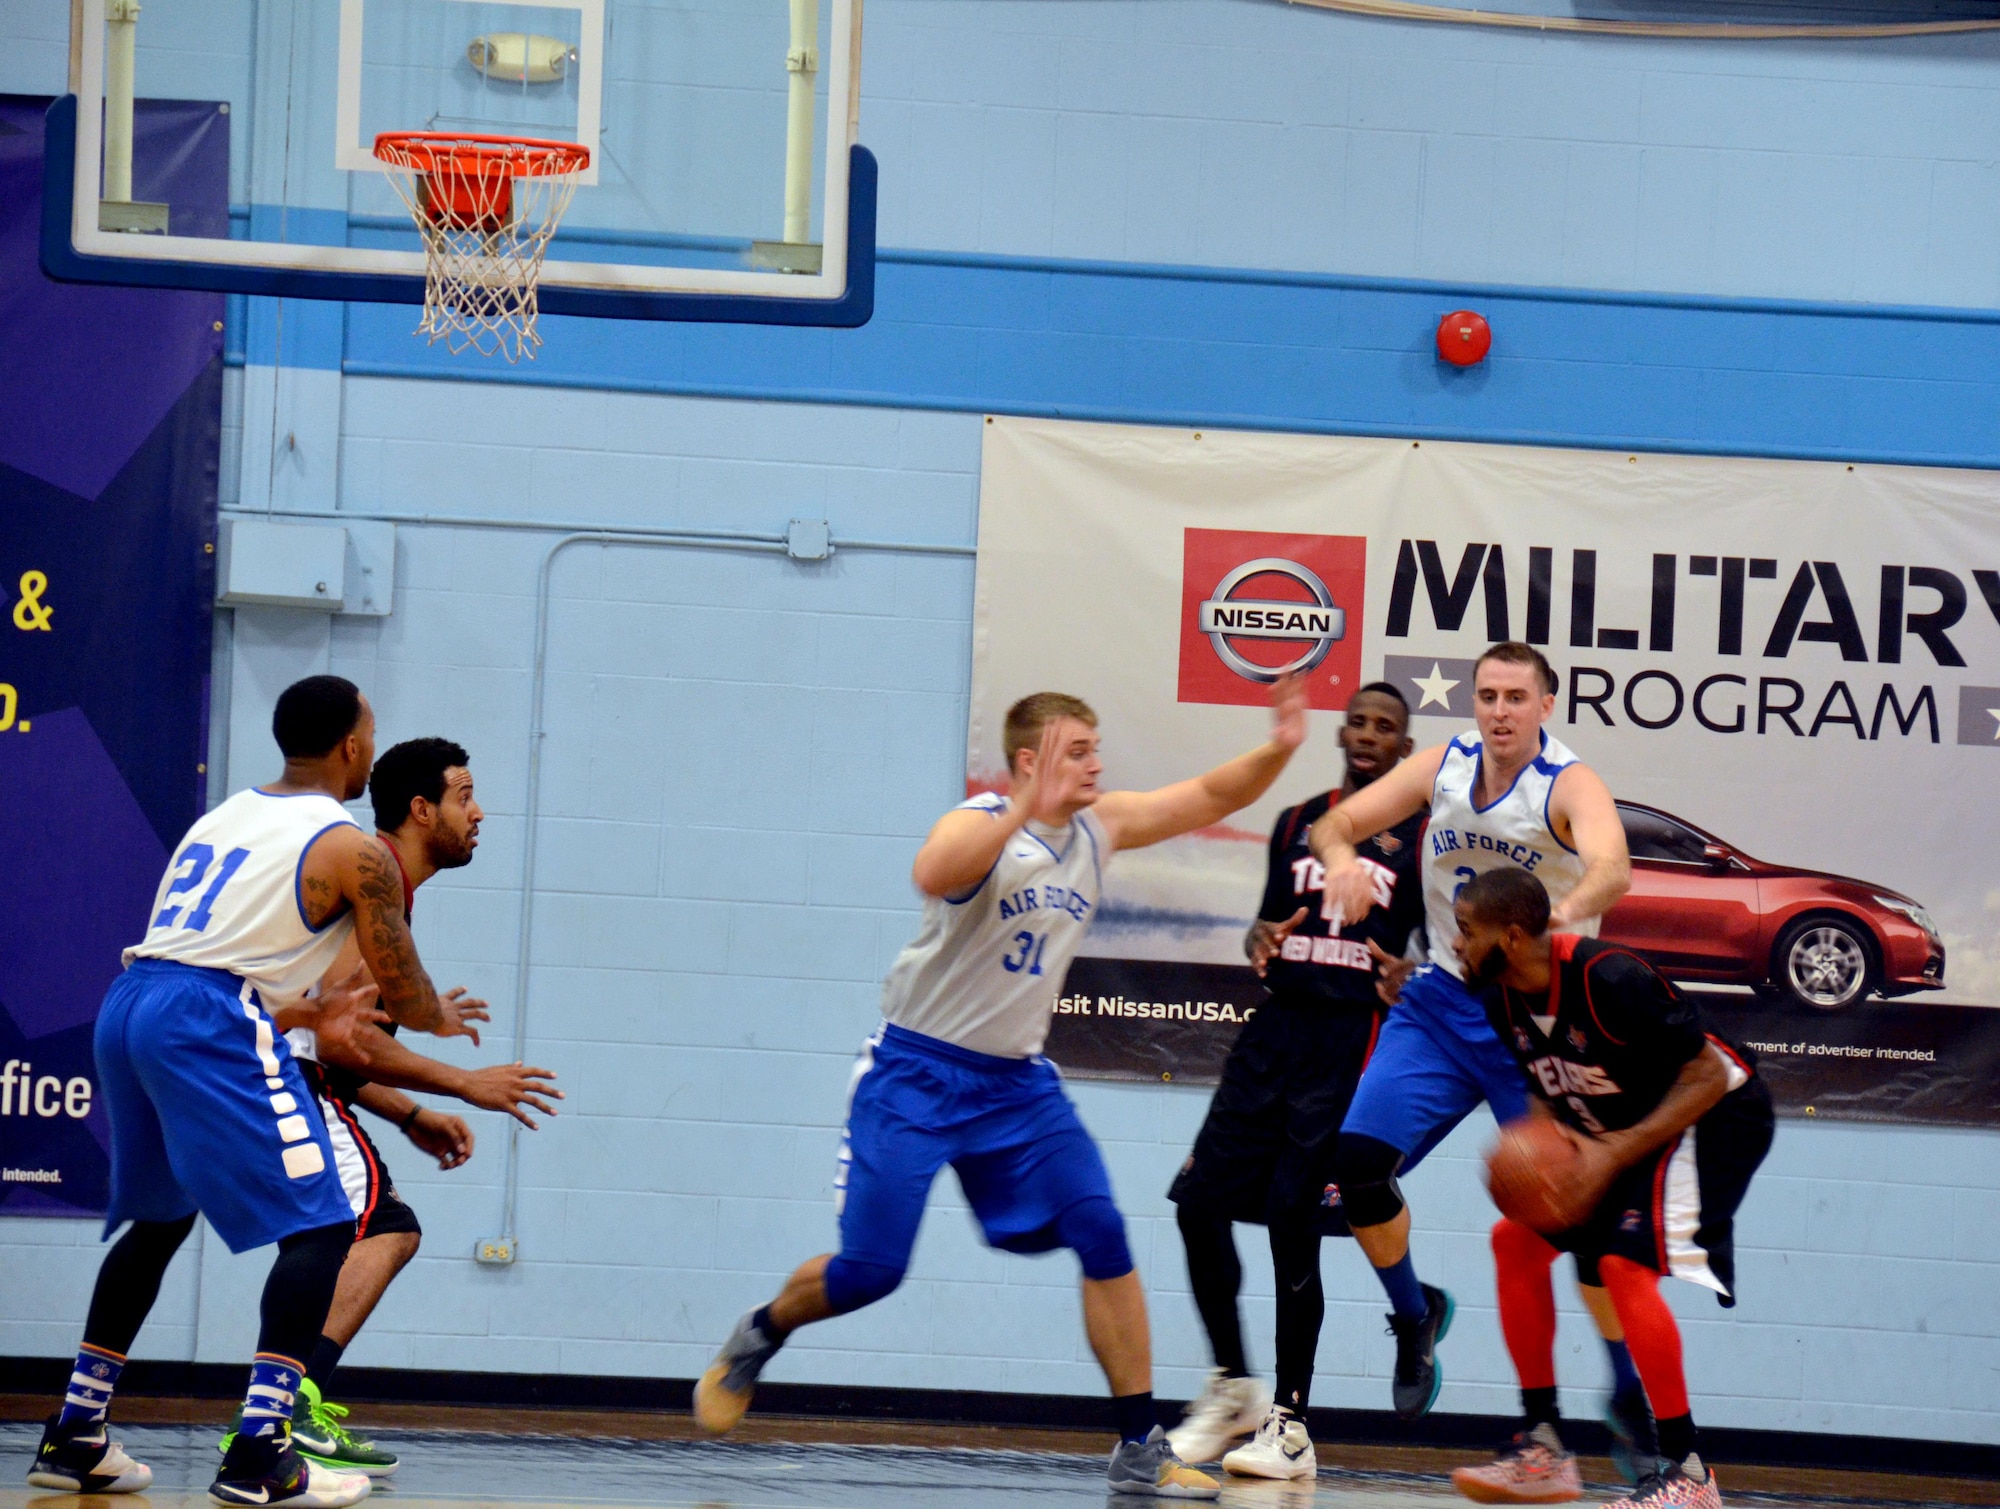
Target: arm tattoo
384,936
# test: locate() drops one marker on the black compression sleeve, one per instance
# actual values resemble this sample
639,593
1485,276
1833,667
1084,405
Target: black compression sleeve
1215,1274
129,1281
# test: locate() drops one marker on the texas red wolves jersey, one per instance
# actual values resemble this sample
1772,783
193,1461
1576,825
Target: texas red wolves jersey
231,900
1464,838
1610,1037
1324,960
983,970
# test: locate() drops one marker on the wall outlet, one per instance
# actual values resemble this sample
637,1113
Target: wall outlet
495,1252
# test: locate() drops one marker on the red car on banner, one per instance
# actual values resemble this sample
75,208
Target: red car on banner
1702,910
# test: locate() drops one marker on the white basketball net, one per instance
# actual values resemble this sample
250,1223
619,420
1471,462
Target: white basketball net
486,210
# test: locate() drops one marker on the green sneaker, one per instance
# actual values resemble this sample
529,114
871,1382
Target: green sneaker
318,1436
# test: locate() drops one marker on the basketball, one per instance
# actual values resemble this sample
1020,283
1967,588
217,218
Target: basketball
1528,1171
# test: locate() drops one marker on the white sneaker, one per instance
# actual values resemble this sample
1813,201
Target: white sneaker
1227,1408
1280,1449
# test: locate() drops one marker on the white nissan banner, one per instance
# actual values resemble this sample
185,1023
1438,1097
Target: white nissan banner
1794,665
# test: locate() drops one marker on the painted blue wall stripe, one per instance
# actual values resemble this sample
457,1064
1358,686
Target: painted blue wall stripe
1314,355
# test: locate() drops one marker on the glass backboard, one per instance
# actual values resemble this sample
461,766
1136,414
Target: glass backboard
723,179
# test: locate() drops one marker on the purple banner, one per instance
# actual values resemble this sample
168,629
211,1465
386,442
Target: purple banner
108,465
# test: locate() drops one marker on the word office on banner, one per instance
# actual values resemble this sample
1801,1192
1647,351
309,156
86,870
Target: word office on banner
1788,673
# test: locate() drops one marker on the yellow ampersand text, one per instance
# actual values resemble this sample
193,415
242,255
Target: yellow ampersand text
31,612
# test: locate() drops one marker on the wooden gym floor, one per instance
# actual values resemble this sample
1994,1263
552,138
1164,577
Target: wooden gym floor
541,1459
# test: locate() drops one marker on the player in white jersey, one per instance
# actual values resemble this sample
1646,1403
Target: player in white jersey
955,1074
1512,796
208,1111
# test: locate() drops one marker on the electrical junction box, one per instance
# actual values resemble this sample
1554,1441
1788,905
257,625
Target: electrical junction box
332,568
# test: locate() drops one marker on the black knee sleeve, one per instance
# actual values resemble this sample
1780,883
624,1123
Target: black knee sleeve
1365,1169
299,1291
129,1281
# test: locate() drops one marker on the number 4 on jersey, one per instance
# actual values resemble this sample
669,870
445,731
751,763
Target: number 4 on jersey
193,865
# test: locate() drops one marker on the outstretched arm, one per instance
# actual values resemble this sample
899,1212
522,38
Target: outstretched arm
1380,804
1582,803
1134,819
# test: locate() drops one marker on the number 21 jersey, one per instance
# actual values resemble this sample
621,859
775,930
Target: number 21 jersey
233,897
983,970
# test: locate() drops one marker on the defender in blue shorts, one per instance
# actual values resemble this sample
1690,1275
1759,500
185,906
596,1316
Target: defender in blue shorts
1509,796
209,1113
956,1076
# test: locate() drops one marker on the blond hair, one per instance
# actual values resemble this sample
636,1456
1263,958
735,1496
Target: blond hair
1027,718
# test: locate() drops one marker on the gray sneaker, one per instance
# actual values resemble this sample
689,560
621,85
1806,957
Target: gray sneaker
723,1393
1150,1466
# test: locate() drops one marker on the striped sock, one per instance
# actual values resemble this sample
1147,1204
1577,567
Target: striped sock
91,1384
267,1407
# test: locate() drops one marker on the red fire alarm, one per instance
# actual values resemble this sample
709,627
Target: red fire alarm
1464,338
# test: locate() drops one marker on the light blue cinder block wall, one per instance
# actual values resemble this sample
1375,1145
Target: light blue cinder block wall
744,751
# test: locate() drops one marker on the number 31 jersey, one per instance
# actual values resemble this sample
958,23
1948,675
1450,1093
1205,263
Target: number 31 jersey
233,897
983,970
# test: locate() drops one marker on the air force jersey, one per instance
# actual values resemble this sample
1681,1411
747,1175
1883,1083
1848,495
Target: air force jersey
231,898
983,970
1464,839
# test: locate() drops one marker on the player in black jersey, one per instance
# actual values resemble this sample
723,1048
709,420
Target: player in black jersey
1669,1122
1263,1153
426,814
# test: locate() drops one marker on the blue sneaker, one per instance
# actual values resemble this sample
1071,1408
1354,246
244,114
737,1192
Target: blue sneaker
1418,1378
1635,1451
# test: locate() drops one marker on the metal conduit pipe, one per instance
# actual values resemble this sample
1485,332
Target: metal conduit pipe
503,1249
531,810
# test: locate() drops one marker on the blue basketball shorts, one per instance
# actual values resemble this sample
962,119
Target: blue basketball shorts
1003,1124
208,1110
1436,1059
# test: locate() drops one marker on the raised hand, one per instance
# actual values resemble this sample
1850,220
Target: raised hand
1046,788
456,1010
1288,712
508,1087
1267,938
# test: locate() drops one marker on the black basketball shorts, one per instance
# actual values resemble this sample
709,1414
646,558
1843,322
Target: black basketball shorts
1674,1210
1266,1148
371,1193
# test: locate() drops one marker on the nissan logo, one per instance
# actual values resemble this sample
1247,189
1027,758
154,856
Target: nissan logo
1317,623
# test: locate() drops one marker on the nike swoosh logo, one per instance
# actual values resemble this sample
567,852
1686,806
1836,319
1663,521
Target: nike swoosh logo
1301,1284
1293,1456
261,1496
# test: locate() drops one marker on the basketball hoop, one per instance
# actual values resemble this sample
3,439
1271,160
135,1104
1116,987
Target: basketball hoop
486,207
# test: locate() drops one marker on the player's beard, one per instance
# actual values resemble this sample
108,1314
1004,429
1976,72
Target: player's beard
450,852
1490,968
